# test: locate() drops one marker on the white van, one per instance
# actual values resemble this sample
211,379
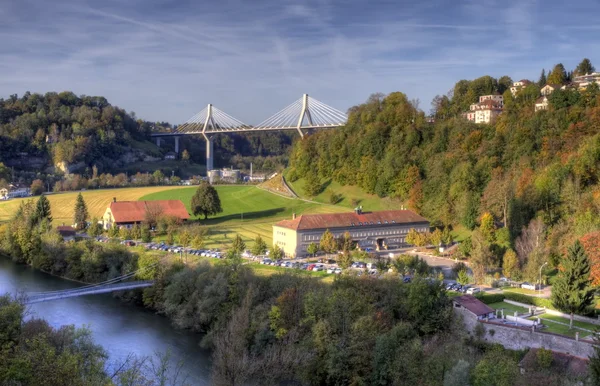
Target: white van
473,290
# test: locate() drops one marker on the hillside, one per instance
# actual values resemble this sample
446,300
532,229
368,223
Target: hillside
527,168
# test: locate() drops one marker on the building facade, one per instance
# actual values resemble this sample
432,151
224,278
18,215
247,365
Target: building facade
376,230
541,103
517,86
486,110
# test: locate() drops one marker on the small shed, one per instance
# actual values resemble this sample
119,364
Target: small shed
474,306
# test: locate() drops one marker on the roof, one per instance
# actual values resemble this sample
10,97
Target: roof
553,85
474,305
541,99
348,219
135,211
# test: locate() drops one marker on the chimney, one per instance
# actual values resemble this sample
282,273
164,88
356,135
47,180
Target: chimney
114,199
293,216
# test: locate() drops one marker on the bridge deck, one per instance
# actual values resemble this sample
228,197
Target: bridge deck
44,297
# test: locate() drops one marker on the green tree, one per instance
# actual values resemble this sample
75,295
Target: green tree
158,177
585,67
81,213
259,247
572,291
436,237
276,252
510,263
124,233
495,368
37,187
542,81
238,245
447,238
198,241
114,230
463,277
558,75
170,240
206,201
146,236
312,184
184,238
487,227
95,228
312,249
42,209
328,243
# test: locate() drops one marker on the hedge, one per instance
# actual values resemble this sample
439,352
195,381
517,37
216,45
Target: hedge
490,298
522,298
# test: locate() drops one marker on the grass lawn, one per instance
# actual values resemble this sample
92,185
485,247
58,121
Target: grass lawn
97,201
509,309
247,211
460,233
369,202
521,291
584,325
267,270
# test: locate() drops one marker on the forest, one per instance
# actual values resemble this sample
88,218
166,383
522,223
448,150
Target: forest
534,174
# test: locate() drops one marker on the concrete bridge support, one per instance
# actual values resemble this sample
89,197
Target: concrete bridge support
177,145
158,141
209,153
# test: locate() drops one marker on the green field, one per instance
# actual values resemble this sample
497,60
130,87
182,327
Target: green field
369,202
247,210
509,309
523,291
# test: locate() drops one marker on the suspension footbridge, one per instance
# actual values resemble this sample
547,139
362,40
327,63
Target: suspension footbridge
302,115
116,284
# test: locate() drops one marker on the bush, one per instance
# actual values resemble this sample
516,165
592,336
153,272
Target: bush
334,198
490,298
292,176
521,298
544,358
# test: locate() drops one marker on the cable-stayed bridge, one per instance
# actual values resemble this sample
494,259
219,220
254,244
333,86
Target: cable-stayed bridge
304,114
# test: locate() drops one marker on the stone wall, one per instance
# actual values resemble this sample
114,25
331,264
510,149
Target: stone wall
518,338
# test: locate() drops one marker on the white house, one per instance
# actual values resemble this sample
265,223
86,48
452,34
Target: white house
488,108
541,103
583,81
517,86
549,88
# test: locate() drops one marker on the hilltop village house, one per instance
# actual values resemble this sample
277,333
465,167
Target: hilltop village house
486,110
377,230
128,213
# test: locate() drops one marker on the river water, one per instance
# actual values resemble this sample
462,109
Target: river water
120,328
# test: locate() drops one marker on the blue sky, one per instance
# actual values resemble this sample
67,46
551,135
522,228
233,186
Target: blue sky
167,60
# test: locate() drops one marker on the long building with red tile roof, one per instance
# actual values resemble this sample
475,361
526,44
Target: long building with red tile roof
127,213
376,230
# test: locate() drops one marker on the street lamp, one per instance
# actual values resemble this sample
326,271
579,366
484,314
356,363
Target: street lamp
541,277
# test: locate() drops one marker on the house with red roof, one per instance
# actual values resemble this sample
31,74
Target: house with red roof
377,230
128,213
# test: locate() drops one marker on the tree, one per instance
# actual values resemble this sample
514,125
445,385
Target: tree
463,277
542,81
436,237
124,233
495,368
312,184
312,249
585,67
145,233
238,245
136,232
487,227
447,238
185,155
152,213
81,213
591,245
260,247
276,252
558,75
42,209
95,228
170,240
184,238
37,187
206,201
328,243
572,291
114,230
510,263
158,177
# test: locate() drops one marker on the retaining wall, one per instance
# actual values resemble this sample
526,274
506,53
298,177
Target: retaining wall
518,338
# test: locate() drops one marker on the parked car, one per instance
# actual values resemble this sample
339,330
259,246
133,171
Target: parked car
464,289
311,267
266,261
331,270
337,271
246,254
473,290
406,279
530,286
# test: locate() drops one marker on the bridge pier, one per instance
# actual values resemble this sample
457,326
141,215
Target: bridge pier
177,145
158,140
209,153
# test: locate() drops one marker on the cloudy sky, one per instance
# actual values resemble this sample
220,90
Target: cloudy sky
166,60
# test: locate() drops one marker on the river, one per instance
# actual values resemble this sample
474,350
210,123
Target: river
119,327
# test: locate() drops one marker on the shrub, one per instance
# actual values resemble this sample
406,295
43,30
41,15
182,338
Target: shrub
544,358
334,198
292,176
521,298
490,298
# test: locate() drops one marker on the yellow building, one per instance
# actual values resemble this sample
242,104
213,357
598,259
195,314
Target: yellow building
377,230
